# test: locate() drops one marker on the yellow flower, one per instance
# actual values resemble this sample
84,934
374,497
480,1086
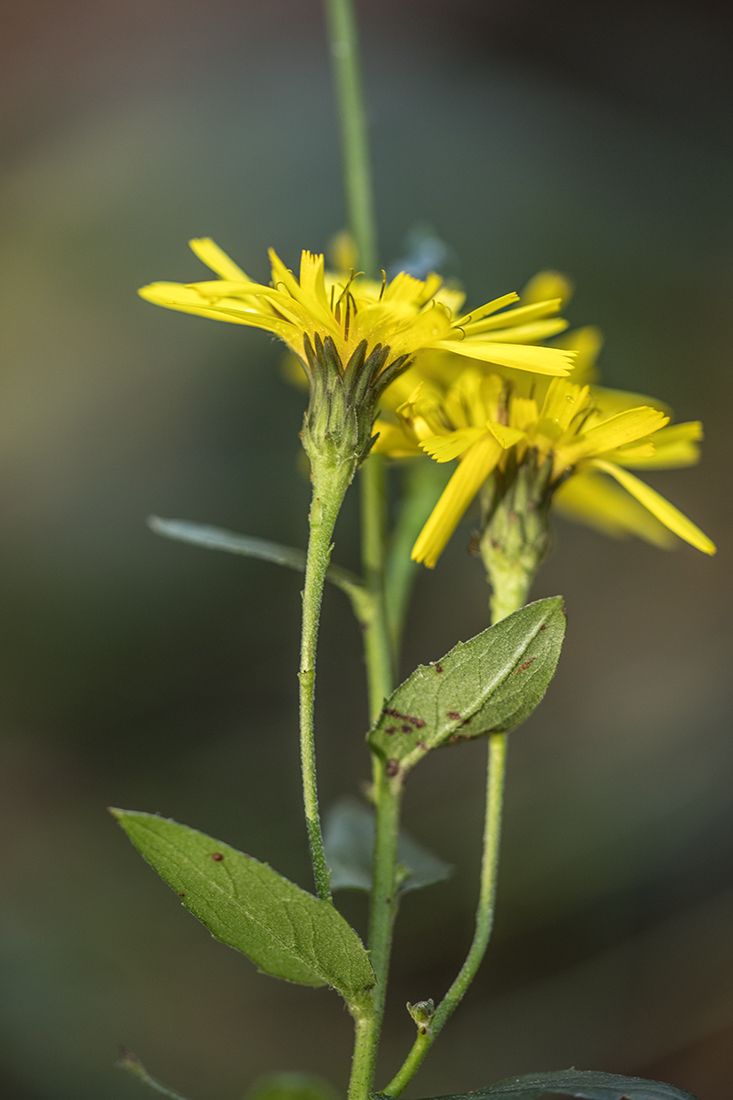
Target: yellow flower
400,317
581,436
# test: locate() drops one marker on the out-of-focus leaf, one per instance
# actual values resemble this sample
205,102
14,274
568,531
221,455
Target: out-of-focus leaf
285,931
291,1086
349,843
486,685
216,538
585,1084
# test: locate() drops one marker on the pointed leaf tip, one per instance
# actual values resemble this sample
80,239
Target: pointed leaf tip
489,684
284,930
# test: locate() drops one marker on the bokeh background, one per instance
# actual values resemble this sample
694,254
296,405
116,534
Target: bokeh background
594,138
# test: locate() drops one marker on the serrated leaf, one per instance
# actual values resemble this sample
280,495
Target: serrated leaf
486,685
284,930
586,1084
349,842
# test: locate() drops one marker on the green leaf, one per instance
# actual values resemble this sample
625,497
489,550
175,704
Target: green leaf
349,843
586,1084
285,931
291,1086
486,685
216,538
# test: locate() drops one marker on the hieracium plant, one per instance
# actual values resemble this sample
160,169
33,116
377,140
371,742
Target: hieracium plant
401,378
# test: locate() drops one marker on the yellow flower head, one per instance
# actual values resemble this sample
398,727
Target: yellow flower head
404,315
576,433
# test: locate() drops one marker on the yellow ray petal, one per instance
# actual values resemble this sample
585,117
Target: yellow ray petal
528,334
504,435
186,300
393,440
563,401
625,427
540,360
456,497
665,512
208,252
587,343
510,317
444,448
592,499
548,284
485,311
675,447
610,402
523,413
312,280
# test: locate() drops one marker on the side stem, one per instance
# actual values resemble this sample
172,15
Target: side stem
328,493
344,44
505,600
484,918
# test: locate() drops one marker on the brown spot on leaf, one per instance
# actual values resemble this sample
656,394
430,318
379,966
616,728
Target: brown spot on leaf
406,729
217,857
525,665
438,667
421,745
454,715
391,729
416,722
393,767
544,626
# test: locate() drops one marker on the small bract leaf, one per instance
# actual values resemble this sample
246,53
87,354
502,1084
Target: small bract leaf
586,1084
349,843
486,685
285,931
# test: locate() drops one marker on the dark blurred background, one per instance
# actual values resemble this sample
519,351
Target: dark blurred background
594,138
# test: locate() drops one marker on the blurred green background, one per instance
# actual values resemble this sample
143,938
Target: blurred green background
141,673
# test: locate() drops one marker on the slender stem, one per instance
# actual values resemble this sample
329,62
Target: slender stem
422,483
484,917
328,493
377,650
387,792
505,600
360,202
344,44
385,901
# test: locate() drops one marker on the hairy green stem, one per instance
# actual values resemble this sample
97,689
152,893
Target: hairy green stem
329,487
344,44
387,791
377,649
360,202
484,919
505,600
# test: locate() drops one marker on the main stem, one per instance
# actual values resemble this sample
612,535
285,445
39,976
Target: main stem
504,601
360,202
387,791
329,488
344,44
